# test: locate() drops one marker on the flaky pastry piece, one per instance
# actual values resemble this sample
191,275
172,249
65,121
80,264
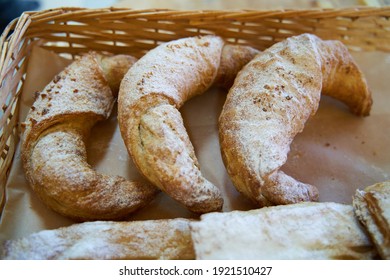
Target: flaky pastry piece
301,231
271,99
372,207
151,239
53,146
307,230
151,125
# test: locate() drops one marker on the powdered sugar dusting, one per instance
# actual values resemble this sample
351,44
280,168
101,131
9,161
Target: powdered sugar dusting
54,153
269,103
150,96
152,239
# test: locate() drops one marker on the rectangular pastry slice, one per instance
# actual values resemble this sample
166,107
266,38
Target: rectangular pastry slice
306,230
152,239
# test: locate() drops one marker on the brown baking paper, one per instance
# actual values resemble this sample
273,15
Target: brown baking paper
337,151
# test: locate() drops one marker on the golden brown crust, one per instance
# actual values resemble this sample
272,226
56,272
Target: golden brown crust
53,147
153,239
269,103
372,207
152,128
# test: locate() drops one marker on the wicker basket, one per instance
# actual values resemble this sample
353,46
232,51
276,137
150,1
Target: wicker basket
72,31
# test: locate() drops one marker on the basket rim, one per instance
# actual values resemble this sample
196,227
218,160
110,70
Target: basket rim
223,13
353,11
35,17
18,27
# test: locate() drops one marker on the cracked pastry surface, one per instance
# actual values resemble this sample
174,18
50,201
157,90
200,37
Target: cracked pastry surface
150,96
102,240
53,146
372,207
301,231
271,99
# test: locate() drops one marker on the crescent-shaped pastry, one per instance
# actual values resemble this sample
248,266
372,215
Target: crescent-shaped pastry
269,103
152,127
53,147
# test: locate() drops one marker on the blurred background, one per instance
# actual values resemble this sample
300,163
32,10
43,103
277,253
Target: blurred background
10,9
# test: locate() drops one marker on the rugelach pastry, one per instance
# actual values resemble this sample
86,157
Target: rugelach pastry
53,145
271,100
151,125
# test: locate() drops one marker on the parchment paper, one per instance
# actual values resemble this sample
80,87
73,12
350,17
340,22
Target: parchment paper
338,152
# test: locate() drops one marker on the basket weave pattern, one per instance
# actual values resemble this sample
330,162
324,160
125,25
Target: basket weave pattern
72,31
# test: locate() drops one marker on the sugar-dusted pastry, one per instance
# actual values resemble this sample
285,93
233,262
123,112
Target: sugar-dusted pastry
151,239
372,207
302,231
308,230
53,146
271,99
150,96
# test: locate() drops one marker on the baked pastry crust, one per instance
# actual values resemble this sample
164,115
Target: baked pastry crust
372,207
53,146
271,99
301,231
307,230
152,239
152,127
